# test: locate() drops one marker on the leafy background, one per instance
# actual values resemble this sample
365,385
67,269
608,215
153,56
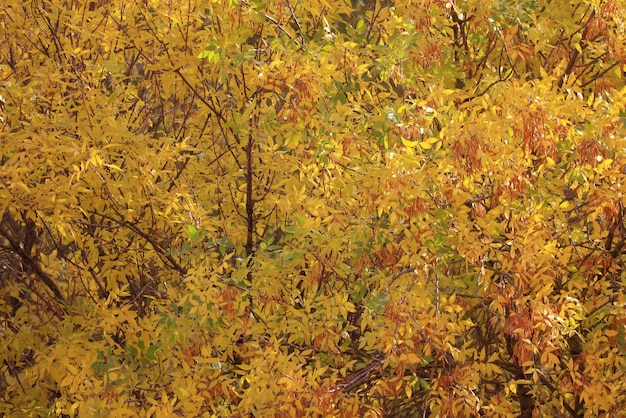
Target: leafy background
241,208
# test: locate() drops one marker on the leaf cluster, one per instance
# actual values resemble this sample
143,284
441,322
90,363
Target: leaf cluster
244,208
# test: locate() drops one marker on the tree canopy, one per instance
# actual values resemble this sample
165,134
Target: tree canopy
352,208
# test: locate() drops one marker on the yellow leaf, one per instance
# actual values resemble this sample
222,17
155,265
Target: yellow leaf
412,358
409,144
182,393
20,186
67,380
513,386
113,166
70,368
578,48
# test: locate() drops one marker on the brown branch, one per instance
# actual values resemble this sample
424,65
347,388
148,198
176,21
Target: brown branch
361,376
600,74
18,248
157,247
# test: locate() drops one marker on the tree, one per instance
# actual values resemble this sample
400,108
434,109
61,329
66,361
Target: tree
279,209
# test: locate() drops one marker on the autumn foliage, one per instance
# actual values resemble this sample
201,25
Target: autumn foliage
289,209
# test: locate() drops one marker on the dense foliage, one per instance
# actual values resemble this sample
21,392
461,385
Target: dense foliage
366,208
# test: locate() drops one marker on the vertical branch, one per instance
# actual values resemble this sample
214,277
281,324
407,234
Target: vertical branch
250,224
22,241
437,293
575,54
250,218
